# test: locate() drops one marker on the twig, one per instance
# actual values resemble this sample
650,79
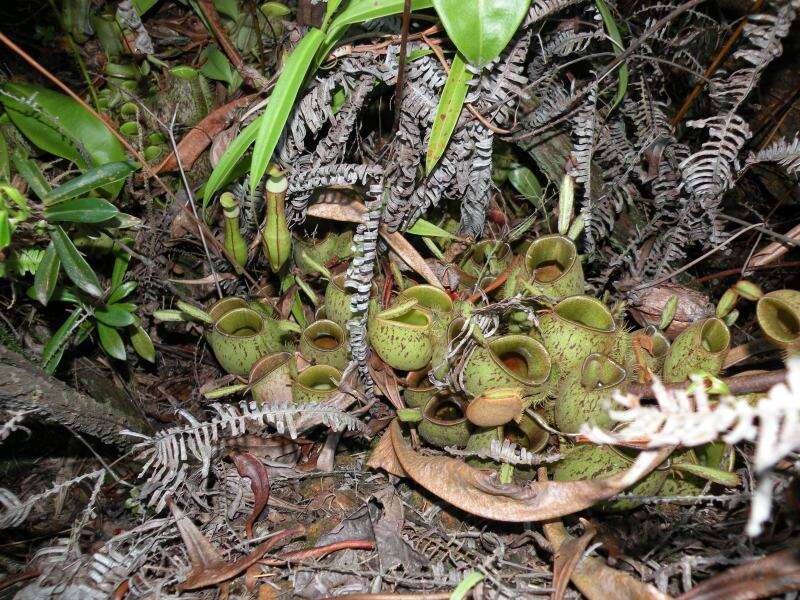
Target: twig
730,272
318,552
401,65
744,384
391,596
774,251
783,238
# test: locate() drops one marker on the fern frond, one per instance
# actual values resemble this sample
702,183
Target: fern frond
786,154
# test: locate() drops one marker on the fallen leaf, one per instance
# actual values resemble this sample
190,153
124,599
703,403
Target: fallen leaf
480,492
194,143
249,466
770,576
208,567
386,381
566,558
351,212
595,579
384,457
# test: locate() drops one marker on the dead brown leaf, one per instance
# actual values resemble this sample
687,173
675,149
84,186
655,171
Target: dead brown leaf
200,136
351,212
386,380
480,492
773,575
566,558
383,457
249,466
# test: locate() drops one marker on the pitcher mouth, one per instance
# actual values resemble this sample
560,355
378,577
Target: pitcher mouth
499,250
509,359
777,320
429,297
445,410
318,378
552,256
574,310
715,336
266,365
222,307
324,330
609,374
413,319
253,325
660,343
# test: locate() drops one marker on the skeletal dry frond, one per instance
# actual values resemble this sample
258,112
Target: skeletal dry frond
14,422
693,419
786,154
506,452
169,454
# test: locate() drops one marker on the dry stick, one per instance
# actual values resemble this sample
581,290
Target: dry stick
743,384
401,66
712,68
621,57
696,260
778,236
141,159
774,250
318,552
730,272
392,596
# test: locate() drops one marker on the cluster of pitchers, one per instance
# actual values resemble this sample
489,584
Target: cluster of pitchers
565,369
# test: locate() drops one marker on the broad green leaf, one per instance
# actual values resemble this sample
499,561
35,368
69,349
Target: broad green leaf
5,160
75,266
195,312
426,228
59,125
450,105
81,210
31,173
166,315
121,261
481,29
228,161
122,291
613,32
5,229
358,11
111,341
54,349
142,343
297,311
218,67
526,183
142,6
94,178
114,316
46,278
330,9
281,102
709,473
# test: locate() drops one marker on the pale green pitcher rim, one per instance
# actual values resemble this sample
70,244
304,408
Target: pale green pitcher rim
612,326
547,238
332,325
527,340
261,330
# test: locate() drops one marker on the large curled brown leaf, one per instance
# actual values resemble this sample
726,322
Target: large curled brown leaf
566,558
351,213
773,575
480,492
595,579
249,466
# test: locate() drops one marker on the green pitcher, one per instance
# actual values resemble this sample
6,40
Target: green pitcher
240,337
573,329
418,390
509,361
324,343
444,422
778,316
226,305
437,302
526,434
337,300
553,268
402,336
650,348
309,256
701,347
489,257
587,461
582,396
270,378
316,383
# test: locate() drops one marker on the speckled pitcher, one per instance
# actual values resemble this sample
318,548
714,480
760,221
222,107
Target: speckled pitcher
701,347
553,268
526,434
573,329
509,361
240,337
324,343
310,255
444,422
337,300
418,389
582,396
652,354
315,384
270,378
778,316
489,257
588,461
402,336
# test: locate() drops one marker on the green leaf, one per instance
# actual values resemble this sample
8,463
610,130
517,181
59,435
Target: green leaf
75,266
142,6
566,204
228,161
98,177
218,67
59,125
450,105
121,291
358,11
526,183
168,315
81,210
121,261
114,316
470,580
481,29
46,278
426,228
31,173
111,341
613,32
195,312
281,102
54,349
142,343
719,476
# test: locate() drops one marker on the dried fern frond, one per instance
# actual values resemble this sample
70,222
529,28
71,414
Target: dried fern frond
786,154
167,454
14,422
692,419
506,452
